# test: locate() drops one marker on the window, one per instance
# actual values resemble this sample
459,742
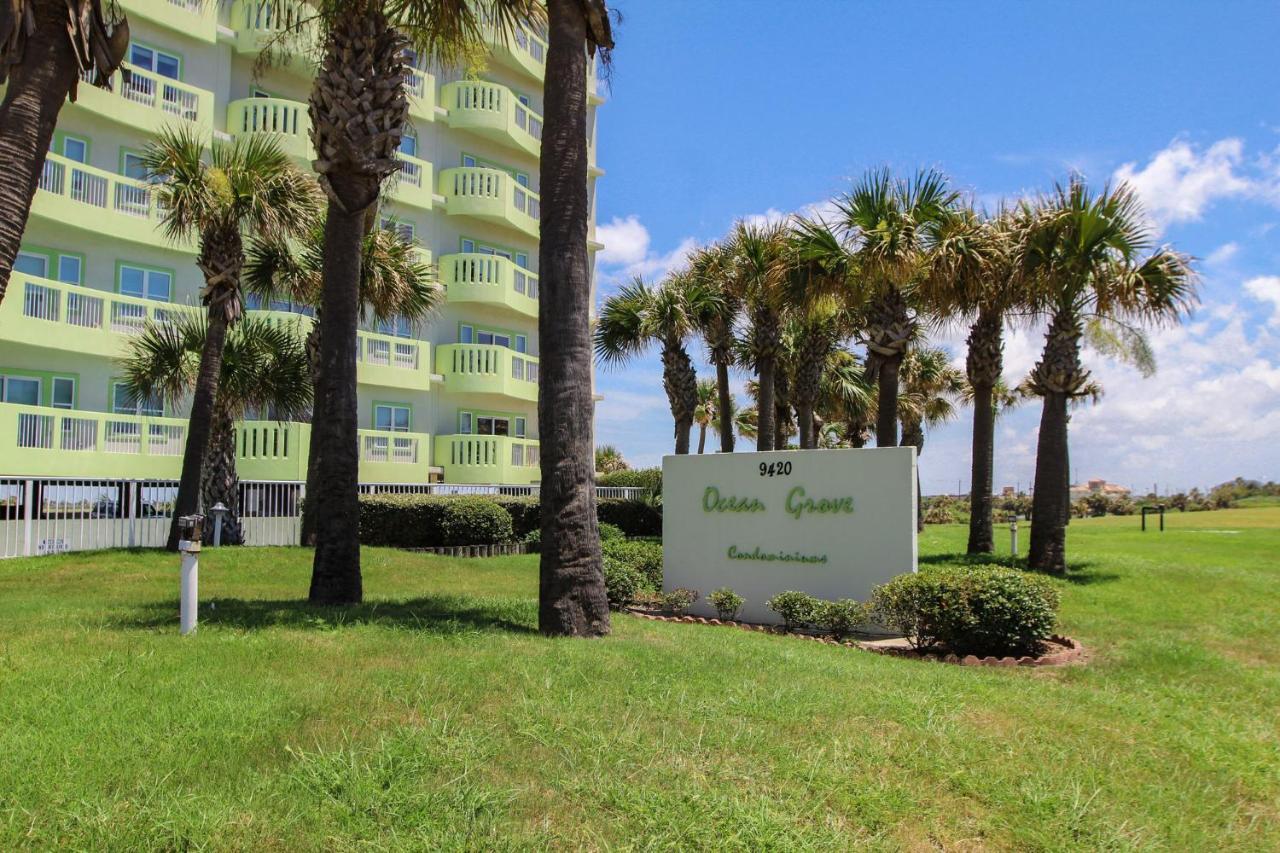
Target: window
522,343
494,338
148,59
520,427
409,145
64,392
517,368
522,179
522,260
517,455
124,403
74,148
70,269
468,247
468,160
133,167
466,334
391,418
24,390
148,284
486,425
400,327
404,229
464,423
32,264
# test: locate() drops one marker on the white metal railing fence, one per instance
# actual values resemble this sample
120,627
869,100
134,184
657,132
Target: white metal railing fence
42,516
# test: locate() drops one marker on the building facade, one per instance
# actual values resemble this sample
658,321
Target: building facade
454,400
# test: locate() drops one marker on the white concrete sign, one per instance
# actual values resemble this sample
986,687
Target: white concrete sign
832,523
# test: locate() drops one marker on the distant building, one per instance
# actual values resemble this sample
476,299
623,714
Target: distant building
1008,492
1098,487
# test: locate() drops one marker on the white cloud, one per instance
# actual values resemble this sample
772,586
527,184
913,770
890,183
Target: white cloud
626,241
1266,288
1180,182
1222,254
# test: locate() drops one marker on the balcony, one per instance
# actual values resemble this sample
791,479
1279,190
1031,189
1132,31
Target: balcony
197,19
471,459
392,362
275,24
478,279
494,112
44,442
521,50
147,101
422,94
287,120
488,369
413,184
491,195
76,195
44,313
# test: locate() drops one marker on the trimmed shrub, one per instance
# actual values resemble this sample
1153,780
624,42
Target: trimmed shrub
534,540
621,582
646,478
427,521
610,532
982,610
639,555
797,609
841,618
526,513
679,600
636,518
726,602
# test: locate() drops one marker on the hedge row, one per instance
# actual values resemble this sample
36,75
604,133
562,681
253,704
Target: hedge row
431,521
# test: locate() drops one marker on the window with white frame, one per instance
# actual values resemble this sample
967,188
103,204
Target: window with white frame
125,403
391,417
146,283
23,390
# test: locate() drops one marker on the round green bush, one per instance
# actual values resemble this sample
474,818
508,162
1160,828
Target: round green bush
840,618
474,521
610,532
726,602
797,609
621,582
679,600
978,610
643,556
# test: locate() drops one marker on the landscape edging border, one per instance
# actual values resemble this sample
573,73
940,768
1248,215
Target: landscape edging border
1072,651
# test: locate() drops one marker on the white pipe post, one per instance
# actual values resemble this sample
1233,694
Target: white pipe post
190,591
1013,535
28,507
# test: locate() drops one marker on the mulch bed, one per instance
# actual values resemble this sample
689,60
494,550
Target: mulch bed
1059,651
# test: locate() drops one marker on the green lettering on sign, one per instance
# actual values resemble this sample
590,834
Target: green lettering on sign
799,505
713,502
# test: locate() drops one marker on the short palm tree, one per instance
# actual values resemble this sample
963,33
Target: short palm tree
1089,259
888,222
46,48
759,280
638,316
246,186
931,387
264,367
707,413
846,399
395,283
609,460
712,267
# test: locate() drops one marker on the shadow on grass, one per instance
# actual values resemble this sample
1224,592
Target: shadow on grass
1082,572
440,615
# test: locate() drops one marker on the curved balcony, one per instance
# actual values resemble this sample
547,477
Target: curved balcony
413,184
264,24
491,195
494,112
392,362
488,369
197,19
477,279
287,120
422,94
520,50
147,101
484,459
75,195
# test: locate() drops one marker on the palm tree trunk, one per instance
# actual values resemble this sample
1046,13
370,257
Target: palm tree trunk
680,381
221,483
307,524
805,422
571,591
781,420
981,540
335,573
199,424
1048,530
702,438
726,407
764,404
887,402
37,88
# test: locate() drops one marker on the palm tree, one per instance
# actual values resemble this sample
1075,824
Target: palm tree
609,460
246,186
395,283
759,279
637,316
264,367
888,222
46,48
707,412
846,399
930,389
1089,259
712,267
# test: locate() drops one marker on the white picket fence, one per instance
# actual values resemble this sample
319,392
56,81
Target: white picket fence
53,516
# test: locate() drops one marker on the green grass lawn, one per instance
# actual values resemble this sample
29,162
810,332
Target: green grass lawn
435,717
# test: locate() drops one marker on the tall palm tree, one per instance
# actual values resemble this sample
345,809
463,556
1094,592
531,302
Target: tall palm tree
888,222
637,316
395,283
971,276
264,367
46,48
930,389
1090,259
246,186
707,412
759,279
358,109
712,267
846,398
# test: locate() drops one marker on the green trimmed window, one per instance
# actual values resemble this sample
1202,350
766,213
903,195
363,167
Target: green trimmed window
124,403
16,388
392,417
145,282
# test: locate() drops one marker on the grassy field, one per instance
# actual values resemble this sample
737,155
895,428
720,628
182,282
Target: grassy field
435,717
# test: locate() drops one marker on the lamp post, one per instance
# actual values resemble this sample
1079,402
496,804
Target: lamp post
1013,533
219,512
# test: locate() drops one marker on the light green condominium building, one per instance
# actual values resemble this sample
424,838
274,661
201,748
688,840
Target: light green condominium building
453,401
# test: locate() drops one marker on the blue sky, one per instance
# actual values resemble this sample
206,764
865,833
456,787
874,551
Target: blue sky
721,110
